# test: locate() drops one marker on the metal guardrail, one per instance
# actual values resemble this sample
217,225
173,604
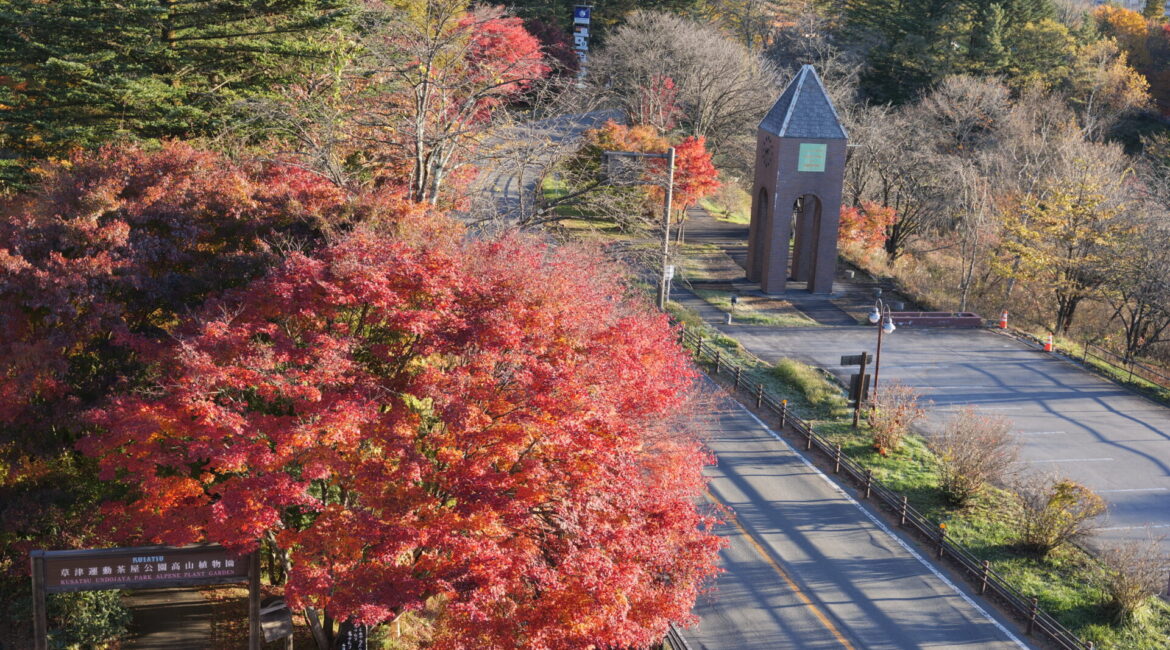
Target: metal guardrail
978,572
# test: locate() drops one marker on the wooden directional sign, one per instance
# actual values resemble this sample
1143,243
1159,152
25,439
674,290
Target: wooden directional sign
858,387
852,359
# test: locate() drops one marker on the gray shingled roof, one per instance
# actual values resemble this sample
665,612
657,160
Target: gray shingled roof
804,111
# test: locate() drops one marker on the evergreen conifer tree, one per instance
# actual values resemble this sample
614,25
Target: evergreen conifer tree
74,73
1154,9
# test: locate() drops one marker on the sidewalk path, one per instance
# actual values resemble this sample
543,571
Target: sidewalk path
169,619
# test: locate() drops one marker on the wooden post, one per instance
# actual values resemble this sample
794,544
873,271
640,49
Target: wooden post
1034,610
759,395
836,458
717,351
255,640
942,539
40,616
808,433
783,413
860,391
868,482
738,375
983,577
699,346
905,509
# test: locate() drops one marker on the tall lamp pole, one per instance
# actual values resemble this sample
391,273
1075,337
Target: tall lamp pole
880,314
664,278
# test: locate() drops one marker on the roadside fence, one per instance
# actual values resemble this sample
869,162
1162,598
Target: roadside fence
1119,362
978,572
1134,368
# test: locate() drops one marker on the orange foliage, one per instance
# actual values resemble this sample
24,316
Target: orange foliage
866,226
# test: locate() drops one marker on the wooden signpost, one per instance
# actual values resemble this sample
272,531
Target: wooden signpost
141,567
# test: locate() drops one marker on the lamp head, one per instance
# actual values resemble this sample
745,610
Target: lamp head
874,316
888,326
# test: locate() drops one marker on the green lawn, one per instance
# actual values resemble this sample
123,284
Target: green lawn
746,315
722,213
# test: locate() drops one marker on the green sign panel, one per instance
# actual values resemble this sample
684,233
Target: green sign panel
811,157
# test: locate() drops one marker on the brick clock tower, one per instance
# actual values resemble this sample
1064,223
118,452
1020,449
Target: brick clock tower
800,168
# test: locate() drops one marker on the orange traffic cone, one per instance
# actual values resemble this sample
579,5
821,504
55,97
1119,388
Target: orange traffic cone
1048,344
1003,321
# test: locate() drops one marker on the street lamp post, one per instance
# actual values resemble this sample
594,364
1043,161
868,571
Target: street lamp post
880,314
664,278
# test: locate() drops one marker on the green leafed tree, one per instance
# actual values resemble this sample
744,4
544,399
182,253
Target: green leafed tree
74,73
1154,9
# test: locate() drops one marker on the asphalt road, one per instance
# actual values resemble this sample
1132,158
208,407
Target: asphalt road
512,159
1069,421
808,567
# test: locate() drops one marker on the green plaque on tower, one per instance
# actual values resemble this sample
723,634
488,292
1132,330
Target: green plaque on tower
811,157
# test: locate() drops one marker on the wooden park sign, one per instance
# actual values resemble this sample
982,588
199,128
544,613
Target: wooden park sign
141,567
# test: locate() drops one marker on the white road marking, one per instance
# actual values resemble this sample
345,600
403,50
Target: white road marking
1133,490
982,407
1040,433
1067,460
1135,527
837,488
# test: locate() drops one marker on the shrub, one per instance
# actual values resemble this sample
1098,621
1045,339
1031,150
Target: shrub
820,394
1131,572
972,450
1054,511
894,409
684,315
87,619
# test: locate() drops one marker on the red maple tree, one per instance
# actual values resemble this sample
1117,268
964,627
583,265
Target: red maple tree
695,176
112,247
866,225
412,415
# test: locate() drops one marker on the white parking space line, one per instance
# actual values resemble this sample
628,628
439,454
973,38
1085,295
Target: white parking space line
980,407
1067,460
1133,490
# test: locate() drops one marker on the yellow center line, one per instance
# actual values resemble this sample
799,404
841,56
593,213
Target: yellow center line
820,614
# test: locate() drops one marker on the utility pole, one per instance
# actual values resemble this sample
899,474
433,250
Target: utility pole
664,277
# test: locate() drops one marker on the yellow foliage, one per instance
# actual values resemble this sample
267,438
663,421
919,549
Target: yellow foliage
1129,28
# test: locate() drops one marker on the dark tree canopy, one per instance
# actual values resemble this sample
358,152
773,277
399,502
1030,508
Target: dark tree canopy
75,73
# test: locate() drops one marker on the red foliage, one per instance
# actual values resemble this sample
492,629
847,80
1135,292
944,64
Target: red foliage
557,45
658,103
695,177
455,69
111,247
867,225
420,414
